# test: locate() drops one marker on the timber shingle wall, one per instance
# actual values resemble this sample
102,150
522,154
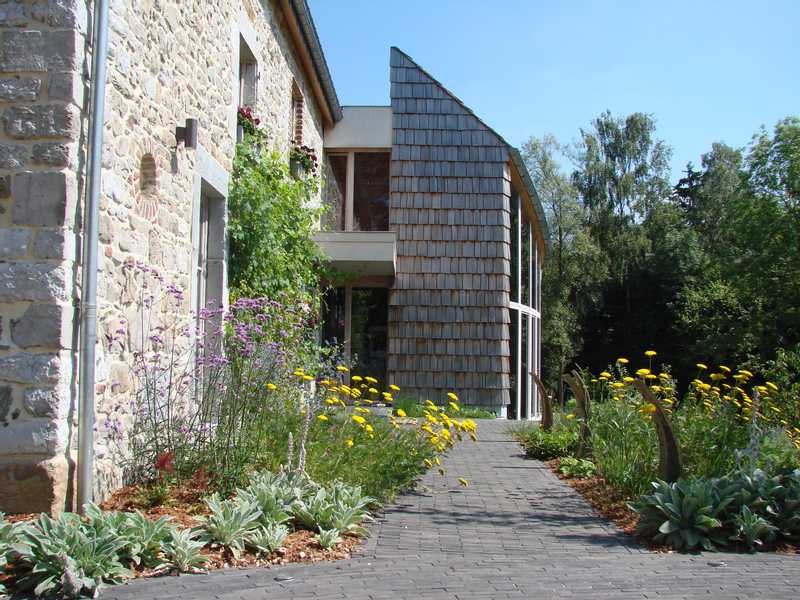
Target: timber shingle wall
448,321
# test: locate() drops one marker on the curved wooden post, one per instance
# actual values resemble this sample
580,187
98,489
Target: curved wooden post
547,403
578,387
669,459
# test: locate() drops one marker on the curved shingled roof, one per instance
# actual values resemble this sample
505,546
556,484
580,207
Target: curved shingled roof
516,157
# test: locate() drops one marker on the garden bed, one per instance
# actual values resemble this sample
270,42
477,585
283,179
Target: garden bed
611,504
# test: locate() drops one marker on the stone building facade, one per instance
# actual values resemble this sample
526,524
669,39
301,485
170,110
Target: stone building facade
161,202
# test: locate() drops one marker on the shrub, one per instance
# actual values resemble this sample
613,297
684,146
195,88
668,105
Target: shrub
182,551
328,538
578,468
266,539
546,445
9,536
230,522
624,445
752,529
67,556
686,515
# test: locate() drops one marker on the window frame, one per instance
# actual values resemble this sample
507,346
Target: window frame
349,199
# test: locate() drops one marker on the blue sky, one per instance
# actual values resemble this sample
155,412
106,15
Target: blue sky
707,70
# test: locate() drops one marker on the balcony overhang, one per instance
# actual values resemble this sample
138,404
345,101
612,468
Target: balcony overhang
363,253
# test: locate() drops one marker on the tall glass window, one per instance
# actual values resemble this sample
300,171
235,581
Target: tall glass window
514,248
369,331
525,318
371,192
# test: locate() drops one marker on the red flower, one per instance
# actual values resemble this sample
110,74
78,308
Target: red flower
164,462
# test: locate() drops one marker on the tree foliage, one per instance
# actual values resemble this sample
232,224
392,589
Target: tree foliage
709,268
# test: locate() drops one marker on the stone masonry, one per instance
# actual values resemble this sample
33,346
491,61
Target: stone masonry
168,60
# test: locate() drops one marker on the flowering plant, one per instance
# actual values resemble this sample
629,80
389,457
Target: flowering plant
303,159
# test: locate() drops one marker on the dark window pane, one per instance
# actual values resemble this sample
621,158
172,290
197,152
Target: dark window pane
524,378
371,192
333,317
369,331
514,248
526,262
512,407
335,192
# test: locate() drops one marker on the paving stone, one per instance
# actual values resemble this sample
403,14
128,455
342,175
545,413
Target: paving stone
515,532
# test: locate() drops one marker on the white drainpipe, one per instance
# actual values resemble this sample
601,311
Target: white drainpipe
88,330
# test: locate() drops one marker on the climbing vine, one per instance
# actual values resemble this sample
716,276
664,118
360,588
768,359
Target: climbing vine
271,222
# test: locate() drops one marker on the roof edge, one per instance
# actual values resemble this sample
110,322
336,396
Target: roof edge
302,14
516,157
519,163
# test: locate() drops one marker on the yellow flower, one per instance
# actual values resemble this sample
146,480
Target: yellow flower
648,408
342,369
372,390
701,366
628,379
623,361
348,443
368,428
438,462
605,374
394,387
454,406
650,376
570,416
724,368
772,386
400,412
617,385
360,409
745,372
322,417
594,380
357,378
650,353
307,378
359,419
452,396
427,463
463,482
371,380
663,375
272,387
643,372
433,420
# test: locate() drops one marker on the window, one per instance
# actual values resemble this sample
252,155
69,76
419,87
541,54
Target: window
357,191
297,115
248,75
524,305
210,268
371,193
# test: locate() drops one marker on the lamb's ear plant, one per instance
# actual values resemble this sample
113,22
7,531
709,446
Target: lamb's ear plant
685,514
266,539
9,536
328,538
272,494
752,529
67,556
230,522
182,552
146,538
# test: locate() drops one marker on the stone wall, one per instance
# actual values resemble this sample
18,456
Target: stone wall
168,60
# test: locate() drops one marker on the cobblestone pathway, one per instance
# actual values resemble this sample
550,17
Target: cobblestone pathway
516,532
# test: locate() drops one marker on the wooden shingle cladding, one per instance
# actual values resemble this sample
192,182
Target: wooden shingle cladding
450,206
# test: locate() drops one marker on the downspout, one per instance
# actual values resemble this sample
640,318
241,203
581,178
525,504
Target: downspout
88,335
